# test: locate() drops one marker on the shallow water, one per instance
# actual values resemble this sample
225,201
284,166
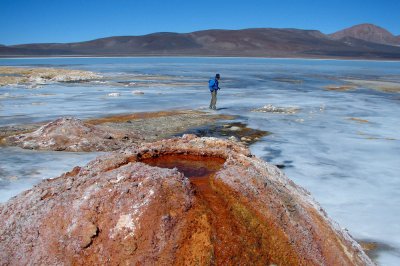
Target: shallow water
350,167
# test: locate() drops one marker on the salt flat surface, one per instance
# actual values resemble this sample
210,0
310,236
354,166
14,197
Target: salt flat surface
21,169
342,146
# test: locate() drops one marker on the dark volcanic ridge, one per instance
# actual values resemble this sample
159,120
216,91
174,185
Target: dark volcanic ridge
362,41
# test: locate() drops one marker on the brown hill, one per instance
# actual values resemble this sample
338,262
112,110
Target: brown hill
261,42
369,33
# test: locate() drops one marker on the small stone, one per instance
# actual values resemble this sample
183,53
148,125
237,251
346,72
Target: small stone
235,128
130,249
233,138
89,230
45,194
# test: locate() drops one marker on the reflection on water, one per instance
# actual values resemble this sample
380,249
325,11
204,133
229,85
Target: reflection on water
351,167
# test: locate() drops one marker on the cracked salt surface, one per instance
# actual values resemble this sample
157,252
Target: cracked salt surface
351,168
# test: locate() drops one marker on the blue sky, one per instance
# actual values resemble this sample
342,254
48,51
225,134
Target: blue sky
34,21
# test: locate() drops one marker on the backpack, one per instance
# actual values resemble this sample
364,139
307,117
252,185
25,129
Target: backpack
211,84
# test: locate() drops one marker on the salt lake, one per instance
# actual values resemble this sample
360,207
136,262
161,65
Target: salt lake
341,145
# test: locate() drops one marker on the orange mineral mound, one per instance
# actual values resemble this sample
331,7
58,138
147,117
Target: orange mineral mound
229,239
182,201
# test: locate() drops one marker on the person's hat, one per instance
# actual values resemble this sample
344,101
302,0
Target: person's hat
217,76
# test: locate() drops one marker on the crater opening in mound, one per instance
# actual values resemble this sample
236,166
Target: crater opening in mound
192,166
237,235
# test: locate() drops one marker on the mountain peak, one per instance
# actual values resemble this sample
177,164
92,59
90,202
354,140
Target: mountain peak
367,32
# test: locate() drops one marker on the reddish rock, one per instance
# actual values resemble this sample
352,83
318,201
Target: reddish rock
117,131
71,134
217,204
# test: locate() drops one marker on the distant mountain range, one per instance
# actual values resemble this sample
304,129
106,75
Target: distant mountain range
361,41
369,33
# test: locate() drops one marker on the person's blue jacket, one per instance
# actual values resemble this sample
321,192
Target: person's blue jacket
214,85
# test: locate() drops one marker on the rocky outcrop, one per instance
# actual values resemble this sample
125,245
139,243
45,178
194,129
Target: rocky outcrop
118,131
39,76
72,134
181,201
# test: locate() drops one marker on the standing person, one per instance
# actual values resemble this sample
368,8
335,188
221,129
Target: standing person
213,85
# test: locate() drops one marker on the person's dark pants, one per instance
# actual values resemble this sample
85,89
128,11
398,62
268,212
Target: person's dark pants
213,100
